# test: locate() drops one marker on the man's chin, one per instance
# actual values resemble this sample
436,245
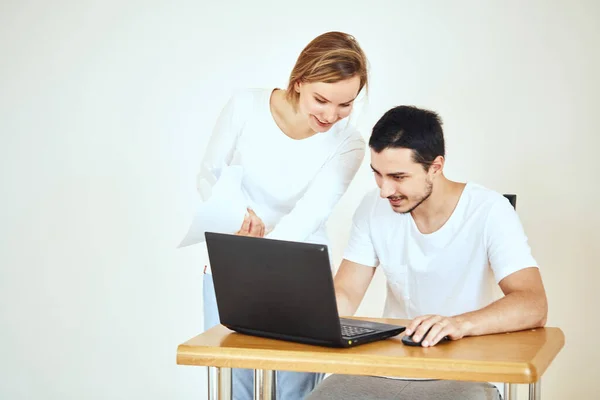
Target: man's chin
403,209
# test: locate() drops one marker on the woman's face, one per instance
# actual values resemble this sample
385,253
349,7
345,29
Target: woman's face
326,103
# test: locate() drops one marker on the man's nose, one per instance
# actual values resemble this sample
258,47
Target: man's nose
386,189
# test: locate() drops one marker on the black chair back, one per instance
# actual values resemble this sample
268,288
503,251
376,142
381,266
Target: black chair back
512,198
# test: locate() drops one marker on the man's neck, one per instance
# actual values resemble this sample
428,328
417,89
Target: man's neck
434,212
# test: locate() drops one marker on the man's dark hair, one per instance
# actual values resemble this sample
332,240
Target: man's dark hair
410,128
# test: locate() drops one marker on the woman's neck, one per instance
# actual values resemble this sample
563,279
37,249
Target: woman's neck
287,118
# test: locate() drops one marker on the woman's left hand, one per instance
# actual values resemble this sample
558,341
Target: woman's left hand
252,225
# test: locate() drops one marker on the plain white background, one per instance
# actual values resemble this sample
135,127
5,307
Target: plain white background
105,109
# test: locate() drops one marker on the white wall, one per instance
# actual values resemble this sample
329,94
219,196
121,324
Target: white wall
105,108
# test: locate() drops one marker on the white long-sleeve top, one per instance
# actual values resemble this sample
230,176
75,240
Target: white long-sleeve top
292,185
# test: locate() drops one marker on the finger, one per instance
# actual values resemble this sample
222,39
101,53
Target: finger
255,226
245,225
424,327
253,215
415,324
262,231
429,340
441,334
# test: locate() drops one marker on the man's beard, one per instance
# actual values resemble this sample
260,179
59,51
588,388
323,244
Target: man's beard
428,190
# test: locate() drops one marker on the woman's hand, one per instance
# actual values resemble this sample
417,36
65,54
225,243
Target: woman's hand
252,225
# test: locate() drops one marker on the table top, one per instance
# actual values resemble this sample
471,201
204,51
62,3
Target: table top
516,357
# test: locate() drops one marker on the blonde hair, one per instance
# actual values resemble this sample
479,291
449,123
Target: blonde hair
329,58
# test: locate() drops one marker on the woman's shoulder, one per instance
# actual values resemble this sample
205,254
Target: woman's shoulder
246,102
250,96
348,135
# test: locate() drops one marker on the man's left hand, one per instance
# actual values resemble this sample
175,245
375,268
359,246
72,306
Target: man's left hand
452,327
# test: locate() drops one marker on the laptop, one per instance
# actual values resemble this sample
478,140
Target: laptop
283,290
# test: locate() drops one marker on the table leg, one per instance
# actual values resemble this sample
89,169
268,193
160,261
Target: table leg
535,392
219,383
510,391
264,384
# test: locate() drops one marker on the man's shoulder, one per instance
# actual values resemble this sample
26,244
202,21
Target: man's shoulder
480,196
483,204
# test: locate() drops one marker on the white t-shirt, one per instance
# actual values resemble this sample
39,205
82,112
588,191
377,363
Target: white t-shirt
292,185
450,271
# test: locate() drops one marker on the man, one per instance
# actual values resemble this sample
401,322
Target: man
442,245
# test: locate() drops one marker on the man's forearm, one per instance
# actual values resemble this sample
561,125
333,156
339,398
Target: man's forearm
351,282
344,305
515,311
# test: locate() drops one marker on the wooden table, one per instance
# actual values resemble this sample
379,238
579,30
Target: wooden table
513,358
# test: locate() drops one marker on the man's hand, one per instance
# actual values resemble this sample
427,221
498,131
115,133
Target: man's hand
453,327
252,225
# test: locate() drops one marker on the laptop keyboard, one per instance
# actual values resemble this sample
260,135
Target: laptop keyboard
352,331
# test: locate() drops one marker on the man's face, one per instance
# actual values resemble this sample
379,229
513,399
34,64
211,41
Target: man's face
402,181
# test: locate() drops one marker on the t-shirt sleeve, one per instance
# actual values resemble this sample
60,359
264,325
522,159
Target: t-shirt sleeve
314,208
507,245
221,145
360,247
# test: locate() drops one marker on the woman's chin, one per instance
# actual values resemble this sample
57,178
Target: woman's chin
319,127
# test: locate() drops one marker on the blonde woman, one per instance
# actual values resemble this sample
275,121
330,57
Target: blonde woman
298,155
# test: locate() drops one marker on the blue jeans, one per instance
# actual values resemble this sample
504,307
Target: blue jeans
290,385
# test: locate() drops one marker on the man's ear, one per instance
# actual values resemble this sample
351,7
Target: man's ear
437,166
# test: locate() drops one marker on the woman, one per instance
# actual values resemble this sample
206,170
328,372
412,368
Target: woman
297,154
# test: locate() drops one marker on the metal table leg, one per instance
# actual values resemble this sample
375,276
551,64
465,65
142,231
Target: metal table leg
535,392
510,391
264,384
219,383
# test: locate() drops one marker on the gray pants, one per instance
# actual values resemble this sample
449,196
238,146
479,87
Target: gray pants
354,387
